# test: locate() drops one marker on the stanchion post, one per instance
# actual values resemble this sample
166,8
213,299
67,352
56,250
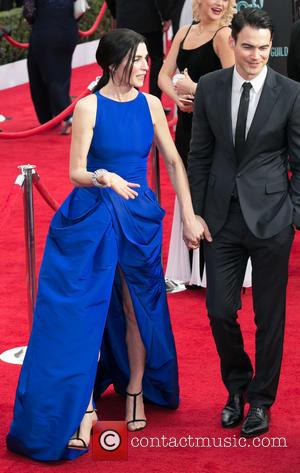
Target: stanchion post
28,171
156,177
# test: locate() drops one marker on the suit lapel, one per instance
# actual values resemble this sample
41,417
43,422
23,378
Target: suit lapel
268,98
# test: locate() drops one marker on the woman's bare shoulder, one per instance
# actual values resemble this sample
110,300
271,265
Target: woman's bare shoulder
181,34
223,34
153,101
86,104
155,106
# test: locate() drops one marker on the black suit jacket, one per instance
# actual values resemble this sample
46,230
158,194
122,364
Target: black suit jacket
143,16
269,200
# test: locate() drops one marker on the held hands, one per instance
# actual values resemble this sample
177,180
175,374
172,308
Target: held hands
119,185
193,233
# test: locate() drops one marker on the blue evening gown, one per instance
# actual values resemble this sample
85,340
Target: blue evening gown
79,305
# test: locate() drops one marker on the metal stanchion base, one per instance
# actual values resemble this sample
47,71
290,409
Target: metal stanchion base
14,355
173,286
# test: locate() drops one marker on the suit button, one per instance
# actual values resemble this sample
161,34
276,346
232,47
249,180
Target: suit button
238,175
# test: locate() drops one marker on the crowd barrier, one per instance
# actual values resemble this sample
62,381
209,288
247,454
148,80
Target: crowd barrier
25,181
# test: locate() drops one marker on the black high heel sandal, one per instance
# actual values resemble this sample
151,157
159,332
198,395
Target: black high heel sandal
66,127
77,436
134,412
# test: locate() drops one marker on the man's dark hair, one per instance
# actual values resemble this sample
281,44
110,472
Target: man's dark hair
253,17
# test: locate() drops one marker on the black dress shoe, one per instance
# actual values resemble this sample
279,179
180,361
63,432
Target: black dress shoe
256,422
233,411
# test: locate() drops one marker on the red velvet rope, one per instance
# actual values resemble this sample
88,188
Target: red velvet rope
89,32
14,42
43,191
46,126
14,194
96,24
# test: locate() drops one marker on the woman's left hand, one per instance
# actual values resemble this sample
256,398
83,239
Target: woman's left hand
120,186
186,103
185,86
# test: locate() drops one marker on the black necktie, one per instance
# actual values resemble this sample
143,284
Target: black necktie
240,131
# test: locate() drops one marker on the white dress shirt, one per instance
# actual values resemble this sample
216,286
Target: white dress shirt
255,93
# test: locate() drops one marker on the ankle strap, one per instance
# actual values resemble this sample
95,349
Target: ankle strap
134,395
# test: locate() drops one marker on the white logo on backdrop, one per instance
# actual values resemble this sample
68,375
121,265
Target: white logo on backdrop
250,4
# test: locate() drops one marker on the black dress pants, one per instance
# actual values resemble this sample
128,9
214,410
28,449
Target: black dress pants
52,44
226,258
154,41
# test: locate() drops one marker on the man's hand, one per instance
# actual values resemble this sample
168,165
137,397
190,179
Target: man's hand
207,235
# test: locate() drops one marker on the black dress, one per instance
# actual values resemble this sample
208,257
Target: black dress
198,61
53,40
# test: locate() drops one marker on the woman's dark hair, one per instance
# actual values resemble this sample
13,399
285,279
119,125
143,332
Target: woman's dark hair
253,17
113,47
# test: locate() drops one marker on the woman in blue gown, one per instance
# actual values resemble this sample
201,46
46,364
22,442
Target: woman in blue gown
101,284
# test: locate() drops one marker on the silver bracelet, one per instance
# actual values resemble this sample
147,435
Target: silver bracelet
96,174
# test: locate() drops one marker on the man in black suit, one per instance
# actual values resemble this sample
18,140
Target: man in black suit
176,10
246,126
149,18
293,60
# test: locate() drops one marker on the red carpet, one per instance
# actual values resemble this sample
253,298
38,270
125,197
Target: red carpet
202,393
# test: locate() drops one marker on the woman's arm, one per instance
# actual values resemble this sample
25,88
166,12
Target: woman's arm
222,47
82,133
193,229
168,69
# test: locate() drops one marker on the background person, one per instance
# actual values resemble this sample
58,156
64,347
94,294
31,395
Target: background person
52,42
